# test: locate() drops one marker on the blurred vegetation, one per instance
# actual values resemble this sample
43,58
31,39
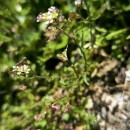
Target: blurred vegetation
102,32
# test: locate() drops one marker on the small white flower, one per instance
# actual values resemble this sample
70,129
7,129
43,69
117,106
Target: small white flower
78,3
40,17
127,75
52,9
19,73
15,68
26,69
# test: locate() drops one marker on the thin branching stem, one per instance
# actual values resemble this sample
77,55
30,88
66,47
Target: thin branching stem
75,41
66,96
76,73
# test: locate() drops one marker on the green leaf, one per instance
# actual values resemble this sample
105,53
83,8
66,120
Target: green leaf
102,30
86,79
65,117
114,34
128,37
4,38
126,8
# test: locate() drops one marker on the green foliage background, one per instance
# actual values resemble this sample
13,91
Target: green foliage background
21,36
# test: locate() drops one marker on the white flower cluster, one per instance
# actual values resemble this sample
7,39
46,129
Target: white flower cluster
21,70
50,16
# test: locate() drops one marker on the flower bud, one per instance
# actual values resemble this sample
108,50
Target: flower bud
55,107
39,116
78,3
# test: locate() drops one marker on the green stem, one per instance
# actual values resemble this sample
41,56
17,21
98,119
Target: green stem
76,73
75,41
90,24
36,77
